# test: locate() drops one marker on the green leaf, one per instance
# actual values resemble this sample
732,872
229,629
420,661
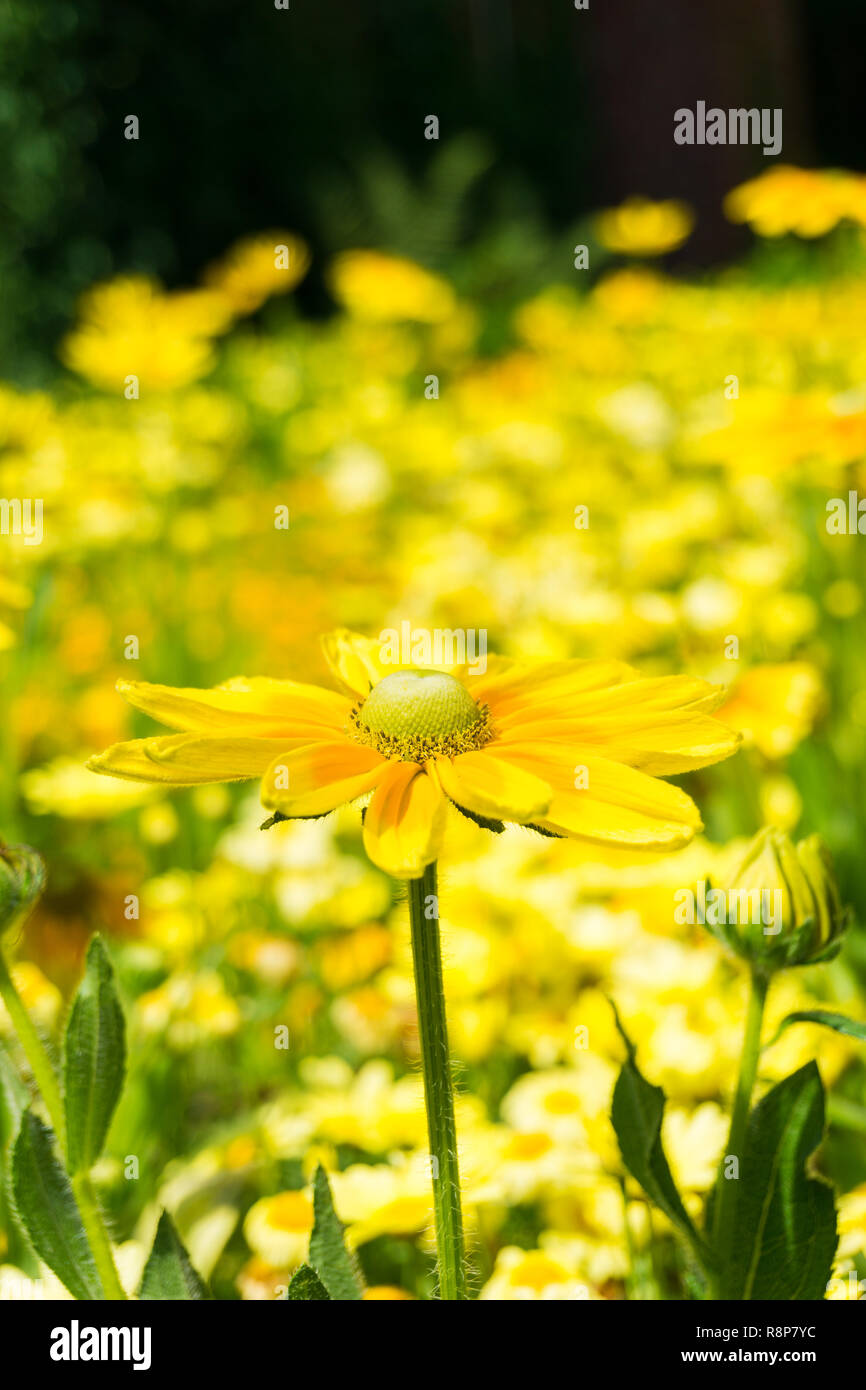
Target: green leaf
94,1060
838,1022
48,1212
307,1285
328,1254
782,1235
169,1273
637,1111
14,1097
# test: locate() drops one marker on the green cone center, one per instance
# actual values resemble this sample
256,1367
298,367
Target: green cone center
419,704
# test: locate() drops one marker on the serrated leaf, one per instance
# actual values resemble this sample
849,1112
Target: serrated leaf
94,1058
169,1273
637,1112
48,1212
838,1022
307,1285
781,1238
328,1254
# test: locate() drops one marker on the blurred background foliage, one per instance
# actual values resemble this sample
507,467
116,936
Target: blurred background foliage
314,117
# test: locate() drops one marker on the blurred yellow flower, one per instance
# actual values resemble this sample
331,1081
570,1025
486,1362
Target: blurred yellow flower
40,997
639,227
64,787
257,267
384,289
278,1229
808,202
132,328
775,706
530,1275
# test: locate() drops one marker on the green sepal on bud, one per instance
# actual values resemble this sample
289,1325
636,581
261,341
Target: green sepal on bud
22,878
781,905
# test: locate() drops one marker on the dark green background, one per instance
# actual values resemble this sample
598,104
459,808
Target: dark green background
313,119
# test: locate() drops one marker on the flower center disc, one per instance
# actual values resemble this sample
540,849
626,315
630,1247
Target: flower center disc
417,714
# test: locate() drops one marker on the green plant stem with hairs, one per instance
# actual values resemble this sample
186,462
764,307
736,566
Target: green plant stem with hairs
438,1087
726,1187
49,1088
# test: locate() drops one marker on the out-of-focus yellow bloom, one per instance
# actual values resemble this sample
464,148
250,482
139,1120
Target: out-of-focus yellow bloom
385,1293
775,707
534,1275
131,327
385,289
384,1199
40,997
257,267
189,1010
278,1229
64,787
274,959
640,227
808,202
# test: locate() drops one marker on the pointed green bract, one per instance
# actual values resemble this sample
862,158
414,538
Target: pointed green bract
637,1112
781,1238
328,1254
94,1058
48,1211
169,1272
307,1285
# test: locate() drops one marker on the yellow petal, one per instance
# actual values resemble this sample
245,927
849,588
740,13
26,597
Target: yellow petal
512,688
493,788
361,662
187,759
617,805
261,706
405,821
313,780
354,660
661,744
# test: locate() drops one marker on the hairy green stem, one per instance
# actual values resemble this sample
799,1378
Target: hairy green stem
97,1238
726,1187
49,1088
438,1089
34,1050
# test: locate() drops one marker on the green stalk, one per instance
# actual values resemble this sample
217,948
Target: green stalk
438,1089
34,1050
726,1187
49,1088
94,1227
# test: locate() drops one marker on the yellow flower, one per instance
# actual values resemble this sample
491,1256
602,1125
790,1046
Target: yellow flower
572,748
530,1275
775,706
383,289
277,1229
809,202
131,327
639,227
257,267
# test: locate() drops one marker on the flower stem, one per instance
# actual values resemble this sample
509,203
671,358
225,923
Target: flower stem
438,1090
726,1187
34,1049
49,1088
97,1237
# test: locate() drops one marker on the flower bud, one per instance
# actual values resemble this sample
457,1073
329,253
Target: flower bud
781,906
22,878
